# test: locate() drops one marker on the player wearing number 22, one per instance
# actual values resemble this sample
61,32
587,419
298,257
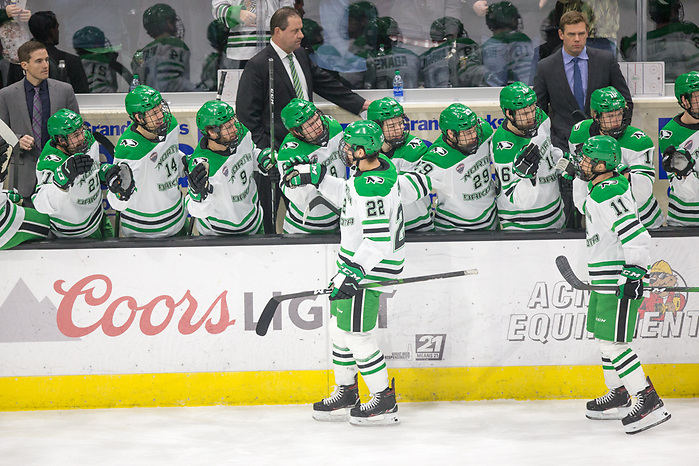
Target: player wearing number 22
611,116
70,176
222,191
372,230
524,160
150,146
617,254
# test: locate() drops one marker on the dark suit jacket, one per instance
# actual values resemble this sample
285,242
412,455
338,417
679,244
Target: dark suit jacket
252,101
557,100
14,112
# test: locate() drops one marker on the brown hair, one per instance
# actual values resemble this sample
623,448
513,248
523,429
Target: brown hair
280,18
573,17
24,52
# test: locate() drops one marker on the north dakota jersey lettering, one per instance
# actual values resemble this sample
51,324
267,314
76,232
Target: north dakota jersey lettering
522,205
465,191
232,208
304,214
683,208
637,151
77,212
156,209
614,233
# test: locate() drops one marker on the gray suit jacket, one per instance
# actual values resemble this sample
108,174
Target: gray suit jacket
13,111
557,100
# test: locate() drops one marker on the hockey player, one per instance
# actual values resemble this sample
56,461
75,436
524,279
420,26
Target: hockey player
405,151
17,224
164,63
611,116
70,176
679,144
318,137
524,160
372,244
459,164
617,252
99,59
222,191
150,146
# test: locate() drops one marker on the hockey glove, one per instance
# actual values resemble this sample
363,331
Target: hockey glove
5,153
566,165
119,180
345,283
632,288
677,161
199,181
303,174
13,195
526,162
74,166
266,160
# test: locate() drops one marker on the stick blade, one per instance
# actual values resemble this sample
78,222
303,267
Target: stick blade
567,272
266,317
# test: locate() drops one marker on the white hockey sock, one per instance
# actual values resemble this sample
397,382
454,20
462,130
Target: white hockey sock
344,366
374,372
626,365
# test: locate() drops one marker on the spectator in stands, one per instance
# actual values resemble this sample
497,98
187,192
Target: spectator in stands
63,66
164,63
12,35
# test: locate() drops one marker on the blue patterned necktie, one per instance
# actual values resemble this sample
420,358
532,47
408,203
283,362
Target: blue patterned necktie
577,84
36,118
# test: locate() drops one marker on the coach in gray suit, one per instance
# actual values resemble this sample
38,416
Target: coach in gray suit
26,107
565,80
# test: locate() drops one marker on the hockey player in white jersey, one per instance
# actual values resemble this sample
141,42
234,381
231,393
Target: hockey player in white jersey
222,191
405,151
459,165
372,229
525,160
70,176
150,147
318,137
679,144
617,253
17,224
611,116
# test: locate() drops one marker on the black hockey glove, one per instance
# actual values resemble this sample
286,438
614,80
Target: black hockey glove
345,283
677,161
5,153
74,166
199,181
632,288
526,162
119,180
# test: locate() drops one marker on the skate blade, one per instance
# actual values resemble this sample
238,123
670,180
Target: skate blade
653,419
339,415
388,419
614,414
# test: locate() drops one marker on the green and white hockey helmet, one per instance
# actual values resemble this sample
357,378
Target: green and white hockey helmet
213,114
384,109
364,134
606,99
603,148
458,117
297,112
61,128
162,18
140,101
685,85
516,96
92,39
518,104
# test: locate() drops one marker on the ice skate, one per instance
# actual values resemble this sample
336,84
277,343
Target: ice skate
616,404
379,411
648,411
335,408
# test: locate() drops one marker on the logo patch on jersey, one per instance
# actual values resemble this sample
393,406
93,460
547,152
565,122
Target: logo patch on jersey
153,156
290,145
414,143
197,160
665,134
460,168
374,180
440,151
225,172
688,145
577,126
505,145
128,143
53,158
638,135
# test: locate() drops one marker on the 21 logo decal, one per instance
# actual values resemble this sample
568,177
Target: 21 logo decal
430,347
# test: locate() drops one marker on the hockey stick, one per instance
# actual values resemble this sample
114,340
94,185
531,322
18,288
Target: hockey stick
273,198
271,307
109,147
575,282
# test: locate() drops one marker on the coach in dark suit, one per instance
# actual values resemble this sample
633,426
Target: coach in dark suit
555,80
294,76
565,81
28,117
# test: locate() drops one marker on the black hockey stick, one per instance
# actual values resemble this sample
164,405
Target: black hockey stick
273,198
272,305
575,282
109,147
